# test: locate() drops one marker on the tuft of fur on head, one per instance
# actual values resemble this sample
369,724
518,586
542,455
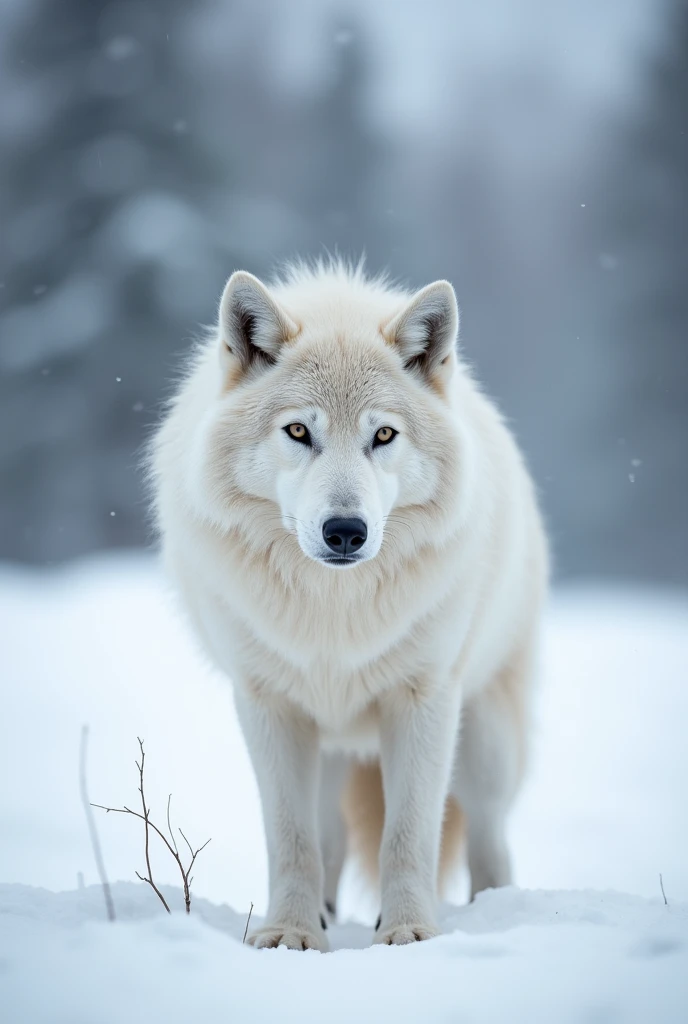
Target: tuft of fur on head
331,267
337,286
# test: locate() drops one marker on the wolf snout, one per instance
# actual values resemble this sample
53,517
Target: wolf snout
344,536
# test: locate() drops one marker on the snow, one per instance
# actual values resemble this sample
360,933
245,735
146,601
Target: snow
587,938
516,956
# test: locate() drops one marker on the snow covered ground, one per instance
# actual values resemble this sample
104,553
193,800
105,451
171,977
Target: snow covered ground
587,938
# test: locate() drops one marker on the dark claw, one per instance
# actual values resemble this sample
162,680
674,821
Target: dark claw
323,922
330,908
378,923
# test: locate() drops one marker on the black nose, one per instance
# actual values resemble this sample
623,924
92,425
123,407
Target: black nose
345,536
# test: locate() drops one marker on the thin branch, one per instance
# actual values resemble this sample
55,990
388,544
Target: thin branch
149,879
128,810
93,832
155,890
661,886
170,843
248,921
169,826
135,814
187,842
185,874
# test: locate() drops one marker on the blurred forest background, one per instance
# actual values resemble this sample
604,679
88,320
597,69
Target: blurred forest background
535,153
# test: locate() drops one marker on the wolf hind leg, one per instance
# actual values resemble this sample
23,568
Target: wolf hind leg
332,828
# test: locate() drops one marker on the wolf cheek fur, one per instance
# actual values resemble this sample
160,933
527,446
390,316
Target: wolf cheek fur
330,398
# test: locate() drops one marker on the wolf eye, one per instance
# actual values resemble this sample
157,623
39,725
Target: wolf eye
384,436
298,432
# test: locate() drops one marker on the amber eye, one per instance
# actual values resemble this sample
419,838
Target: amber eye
298,432
384,436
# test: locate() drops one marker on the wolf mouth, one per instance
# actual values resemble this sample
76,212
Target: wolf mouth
338,560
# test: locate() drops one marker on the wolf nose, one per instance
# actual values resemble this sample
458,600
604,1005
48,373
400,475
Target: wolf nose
345,536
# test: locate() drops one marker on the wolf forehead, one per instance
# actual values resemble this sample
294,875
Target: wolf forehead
343,376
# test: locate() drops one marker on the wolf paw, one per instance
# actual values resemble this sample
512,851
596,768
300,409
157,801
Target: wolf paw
293,937
403,934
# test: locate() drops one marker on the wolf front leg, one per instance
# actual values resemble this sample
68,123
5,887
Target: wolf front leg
418,728
283,744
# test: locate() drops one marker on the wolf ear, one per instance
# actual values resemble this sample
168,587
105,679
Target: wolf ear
425,331
253,326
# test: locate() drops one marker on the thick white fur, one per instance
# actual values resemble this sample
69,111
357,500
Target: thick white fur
377,659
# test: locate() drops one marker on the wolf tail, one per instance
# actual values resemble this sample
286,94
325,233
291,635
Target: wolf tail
364,812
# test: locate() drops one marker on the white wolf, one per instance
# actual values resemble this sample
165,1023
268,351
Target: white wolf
357,541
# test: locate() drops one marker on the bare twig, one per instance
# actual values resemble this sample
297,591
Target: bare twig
248,921
155,889
170,843
93,832
661,886
186,841
185,874
146,812
169,824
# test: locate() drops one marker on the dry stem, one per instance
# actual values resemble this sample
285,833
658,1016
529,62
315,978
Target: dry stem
93,832
187,878
248,921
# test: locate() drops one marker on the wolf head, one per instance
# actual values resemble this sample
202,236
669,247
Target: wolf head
334,415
